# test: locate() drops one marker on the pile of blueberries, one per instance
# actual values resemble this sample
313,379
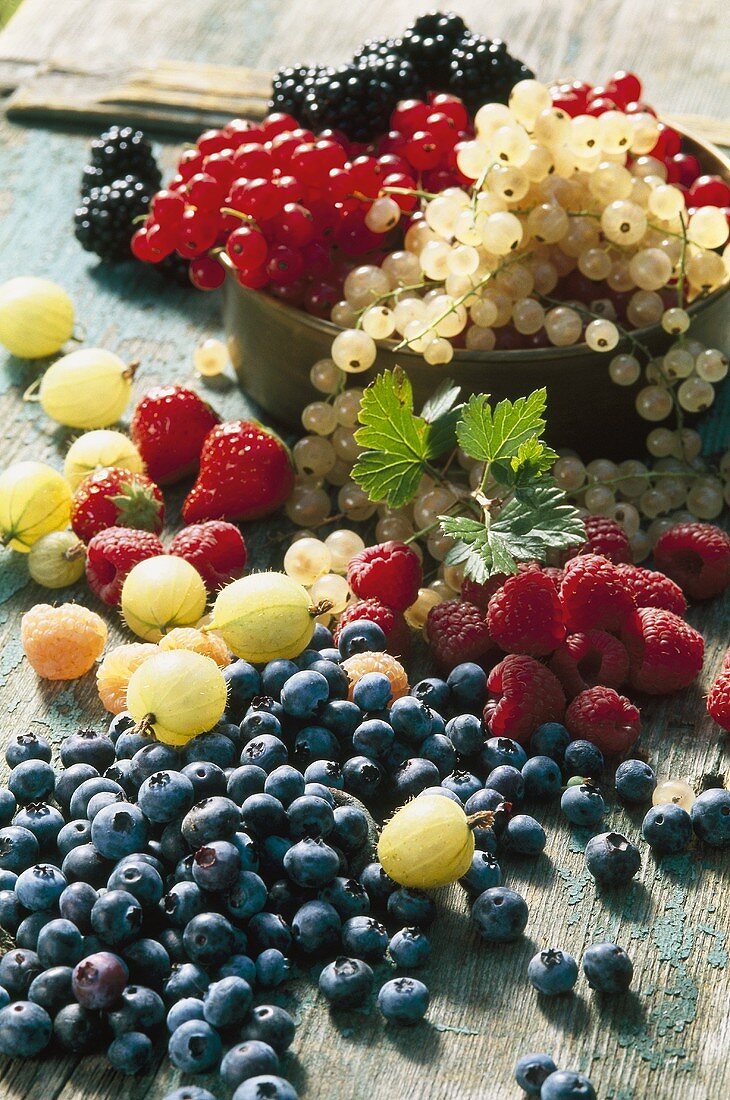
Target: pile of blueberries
144,887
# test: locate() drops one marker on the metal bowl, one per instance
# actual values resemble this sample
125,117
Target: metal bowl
273,346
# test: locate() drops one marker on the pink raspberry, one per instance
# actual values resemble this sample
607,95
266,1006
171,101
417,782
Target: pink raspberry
456,632
390,571
609,720
606,537
525,615
584,660
650,588
524,695
697,557
390,622
593,595
110,555
665,652
718,700
216,549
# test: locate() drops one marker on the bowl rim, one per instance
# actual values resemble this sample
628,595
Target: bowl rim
513,355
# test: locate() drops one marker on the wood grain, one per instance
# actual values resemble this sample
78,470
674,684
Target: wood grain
669,1038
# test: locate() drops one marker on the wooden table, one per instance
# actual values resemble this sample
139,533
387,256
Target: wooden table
669,1037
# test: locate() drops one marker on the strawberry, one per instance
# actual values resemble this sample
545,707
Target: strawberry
215,548
112,553
113,497
245,473
169,427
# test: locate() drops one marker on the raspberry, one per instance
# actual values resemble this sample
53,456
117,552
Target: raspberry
593,595
362,663
525,615
112,553
215,548
187,637
481,594
718,700
606,537
390,622
665,652
697,557
390,571
525,694
584,660
457,631
609,720
555,573
62,642
112,675
650,588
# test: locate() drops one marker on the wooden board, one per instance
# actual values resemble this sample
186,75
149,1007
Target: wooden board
669,1038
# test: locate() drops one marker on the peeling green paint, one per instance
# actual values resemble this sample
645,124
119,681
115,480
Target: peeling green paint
717,955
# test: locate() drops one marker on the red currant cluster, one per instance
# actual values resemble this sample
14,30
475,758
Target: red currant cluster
623,93
290,208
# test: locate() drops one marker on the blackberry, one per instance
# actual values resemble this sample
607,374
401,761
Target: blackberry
482,71
393,67
290,87
120,151
429,43
357,100
104,219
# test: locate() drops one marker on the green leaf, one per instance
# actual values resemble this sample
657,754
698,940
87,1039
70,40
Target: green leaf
396,441
389,477
533,459
525,530
492,435
472,548
441,435
441,401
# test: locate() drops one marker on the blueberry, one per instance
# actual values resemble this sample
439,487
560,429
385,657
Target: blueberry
378,884
413,776
52,989
18,968
531,1070
316,927
25,1029
208,779
195,1047
69,781
361,636
438,725
322,637
171,940
138,1009
244,682
508,781
116,917
148,961
209,939
433,692
165,796
86,864
266,1084
122,772
266,751
272,850
227,1002
272,968
187,1008
362,776
285,783
483,874
60,943
30,746
441,792
11,911
40,887
245,1060
86,747
119,724
346,982
365,937
73,835
565,1084
30,927
216,865
8,806
43,821
372,691
403,1000
214,818
311,863
583,805
100,801
186,980
304,694
139,879
246,896
76,1030
182,902
214,745
310,816
131,1053
128,743
32,781
543,778
315,743
269,930
119,829
668,829
79,801
373,738
466,733
341,717
583,758
411,720
607,968
259,721
327,772
552,972
462,783
336,677
612,859
76,902
550,739
351,829
524,835
407,906
246,780
409,948
502,750
270,1024
468,685
500,914
635,781
98,980
710,815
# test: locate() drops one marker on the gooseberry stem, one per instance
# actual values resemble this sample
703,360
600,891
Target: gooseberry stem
144,726
481,819
320,608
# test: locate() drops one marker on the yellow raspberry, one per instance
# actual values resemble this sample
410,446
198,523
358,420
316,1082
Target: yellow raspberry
62,642
361,663
188,637
112,675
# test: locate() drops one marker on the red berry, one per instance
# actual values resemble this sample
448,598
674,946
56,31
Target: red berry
525,615
206,273
650,588
284,265
390,622
169,426
260,198
112,553
709,191
593,595
607,537
584,660
423,150
451,106
168,206
294,226
609,720
113,497
409,115
718,701
252,161
625,86
205,191
481,594
665,652
247,248
524,694
391,571
457,631
697,557
215,548
197,232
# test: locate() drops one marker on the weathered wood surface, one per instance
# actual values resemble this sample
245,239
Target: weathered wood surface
670,1037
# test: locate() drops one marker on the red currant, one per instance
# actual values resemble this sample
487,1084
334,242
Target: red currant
291,293
196,233
600,105
284,265
293,226
247,248
409,116
211,141
317,259
313,161
320,297
221,167
403,182
252,161
168,206
206,273
444,131
284,145
709,191
140,246
190,162
254,280
422,151
241,130
451,106
205,192
624,87
277,123
688,166
259,198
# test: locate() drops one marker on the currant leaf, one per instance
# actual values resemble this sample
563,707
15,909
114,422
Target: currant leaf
493,435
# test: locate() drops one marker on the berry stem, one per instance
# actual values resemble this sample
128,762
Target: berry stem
320,608
481,819
144,726
131,370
